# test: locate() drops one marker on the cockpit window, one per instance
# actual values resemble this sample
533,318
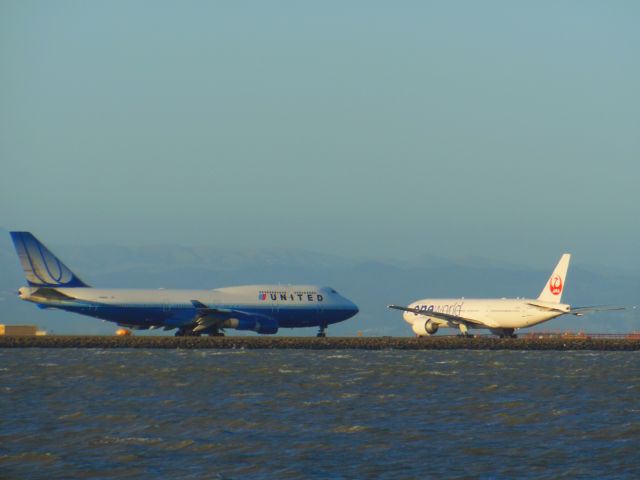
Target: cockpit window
332,291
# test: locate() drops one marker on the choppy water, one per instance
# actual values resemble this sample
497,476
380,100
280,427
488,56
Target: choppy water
305,414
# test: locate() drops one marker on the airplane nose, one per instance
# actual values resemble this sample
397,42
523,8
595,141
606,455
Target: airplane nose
352,307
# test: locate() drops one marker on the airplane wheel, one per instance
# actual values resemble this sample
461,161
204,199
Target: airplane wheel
187,333
321,335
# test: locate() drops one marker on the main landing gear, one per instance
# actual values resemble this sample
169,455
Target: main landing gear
507,333
188,332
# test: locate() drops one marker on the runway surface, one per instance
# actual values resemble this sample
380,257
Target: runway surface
331,343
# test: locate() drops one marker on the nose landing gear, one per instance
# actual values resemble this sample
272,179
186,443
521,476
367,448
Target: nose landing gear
321,332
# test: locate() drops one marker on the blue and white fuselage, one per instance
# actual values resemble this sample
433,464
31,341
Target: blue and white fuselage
259,308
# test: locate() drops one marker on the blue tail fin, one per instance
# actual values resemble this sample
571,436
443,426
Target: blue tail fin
41,267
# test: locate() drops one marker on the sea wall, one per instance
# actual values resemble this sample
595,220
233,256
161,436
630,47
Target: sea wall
313,343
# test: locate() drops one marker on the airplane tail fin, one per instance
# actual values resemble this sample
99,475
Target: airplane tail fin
552,291
41,267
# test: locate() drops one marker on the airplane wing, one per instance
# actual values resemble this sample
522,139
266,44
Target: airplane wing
207,317
455,319
204,311
222,313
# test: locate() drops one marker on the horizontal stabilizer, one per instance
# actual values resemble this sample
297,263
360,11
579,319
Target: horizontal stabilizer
51,294
579,311
550,307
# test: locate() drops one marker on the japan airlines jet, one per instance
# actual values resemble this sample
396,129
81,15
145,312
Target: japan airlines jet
258,308
501,316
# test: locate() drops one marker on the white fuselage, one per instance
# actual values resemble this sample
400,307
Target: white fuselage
489,313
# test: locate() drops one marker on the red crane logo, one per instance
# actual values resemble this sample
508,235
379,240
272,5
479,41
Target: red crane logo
555,285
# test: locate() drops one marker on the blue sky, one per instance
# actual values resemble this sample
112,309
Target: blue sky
507,130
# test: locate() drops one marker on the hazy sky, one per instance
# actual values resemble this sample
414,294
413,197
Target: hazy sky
509,130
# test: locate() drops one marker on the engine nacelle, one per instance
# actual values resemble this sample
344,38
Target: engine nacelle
267,326
423,329
260,325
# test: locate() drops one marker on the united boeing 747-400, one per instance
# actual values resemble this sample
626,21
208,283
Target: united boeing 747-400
258,308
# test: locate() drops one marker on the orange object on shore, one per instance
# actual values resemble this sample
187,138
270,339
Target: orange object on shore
123,332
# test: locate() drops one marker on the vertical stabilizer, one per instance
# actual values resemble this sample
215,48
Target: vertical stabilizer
41,267
552,291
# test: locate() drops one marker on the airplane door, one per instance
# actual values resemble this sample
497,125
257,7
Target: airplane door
275,305
166,307
317,311
270,303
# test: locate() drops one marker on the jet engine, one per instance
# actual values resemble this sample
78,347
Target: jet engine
260,324
426,328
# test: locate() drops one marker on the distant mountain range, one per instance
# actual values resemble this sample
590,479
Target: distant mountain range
371,284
